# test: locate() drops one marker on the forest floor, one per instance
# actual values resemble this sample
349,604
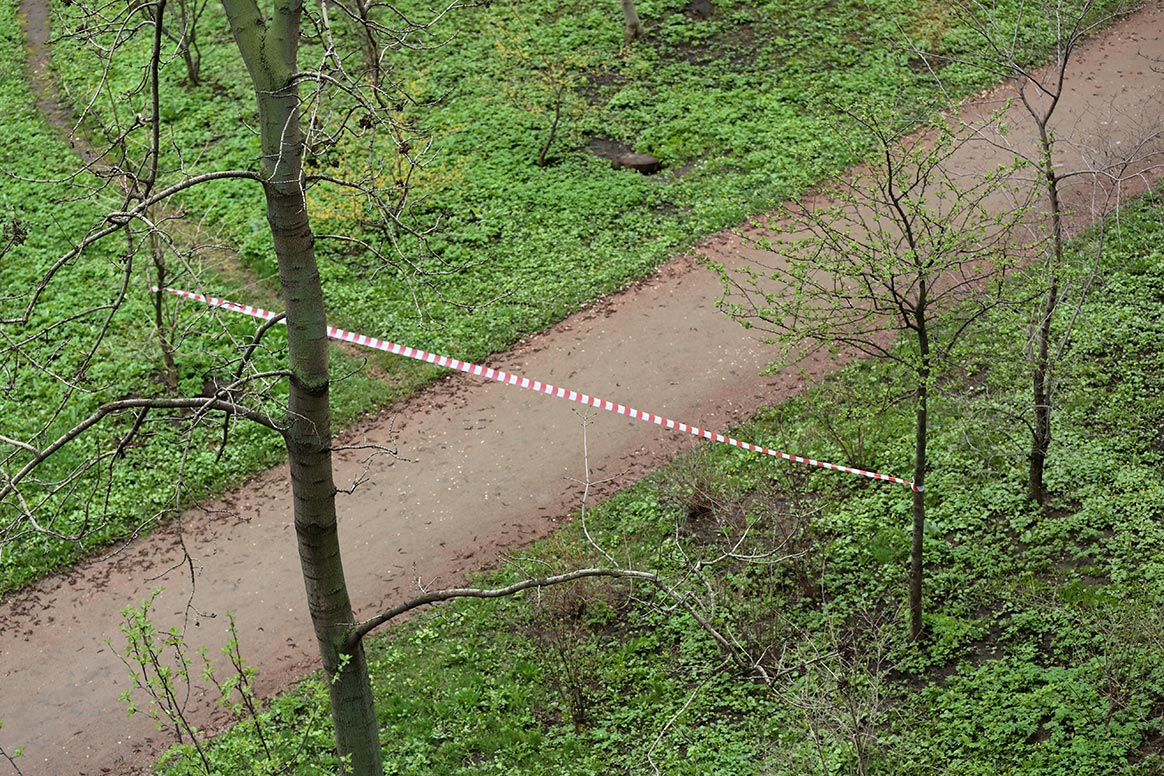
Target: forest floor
483,469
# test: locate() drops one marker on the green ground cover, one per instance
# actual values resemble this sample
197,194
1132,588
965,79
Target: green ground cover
1043,653
730,105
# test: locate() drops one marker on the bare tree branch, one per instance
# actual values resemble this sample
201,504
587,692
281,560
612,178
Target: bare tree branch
365,627
112,407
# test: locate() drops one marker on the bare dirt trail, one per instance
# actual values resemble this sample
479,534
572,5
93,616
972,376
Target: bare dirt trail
491,469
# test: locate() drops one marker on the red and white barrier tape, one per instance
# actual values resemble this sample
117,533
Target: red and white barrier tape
535,385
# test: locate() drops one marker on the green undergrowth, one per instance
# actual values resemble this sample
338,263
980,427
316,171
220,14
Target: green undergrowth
54,376
1042,653
736,107
731,105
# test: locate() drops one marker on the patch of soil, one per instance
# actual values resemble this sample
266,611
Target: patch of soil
1153,743
605,148
598,83
735,44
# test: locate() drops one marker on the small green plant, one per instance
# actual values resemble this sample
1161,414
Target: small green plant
566,623
12,757
162,667
159,665
236,693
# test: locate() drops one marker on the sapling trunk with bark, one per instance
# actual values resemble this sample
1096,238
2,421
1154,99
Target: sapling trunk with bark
1041,376
269,47
921,437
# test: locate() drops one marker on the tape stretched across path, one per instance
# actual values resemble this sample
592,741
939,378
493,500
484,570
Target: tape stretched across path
536,385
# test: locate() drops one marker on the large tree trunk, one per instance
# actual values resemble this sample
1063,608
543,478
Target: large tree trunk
269,48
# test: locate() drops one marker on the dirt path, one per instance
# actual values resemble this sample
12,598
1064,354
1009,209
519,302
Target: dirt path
492,469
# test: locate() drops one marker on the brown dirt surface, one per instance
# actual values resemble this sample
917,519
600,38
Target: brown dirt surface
489,469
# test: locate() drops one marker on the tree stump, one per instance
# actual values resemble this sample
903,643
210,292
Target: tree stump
644,163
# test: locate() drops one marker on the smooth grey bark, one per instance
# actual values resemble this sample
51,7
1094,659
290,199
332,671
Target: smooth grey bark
269,46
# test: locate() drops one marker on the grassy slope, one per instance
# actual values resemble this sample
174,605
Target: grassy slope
1044,654
727,104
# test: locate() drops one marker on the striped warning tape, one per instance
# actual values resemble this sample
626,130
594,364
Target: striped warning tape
536,385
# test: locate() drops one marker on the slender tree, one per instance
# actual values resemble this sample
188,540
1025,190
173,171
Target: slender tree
896,263
269,46
130,168
1012,47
